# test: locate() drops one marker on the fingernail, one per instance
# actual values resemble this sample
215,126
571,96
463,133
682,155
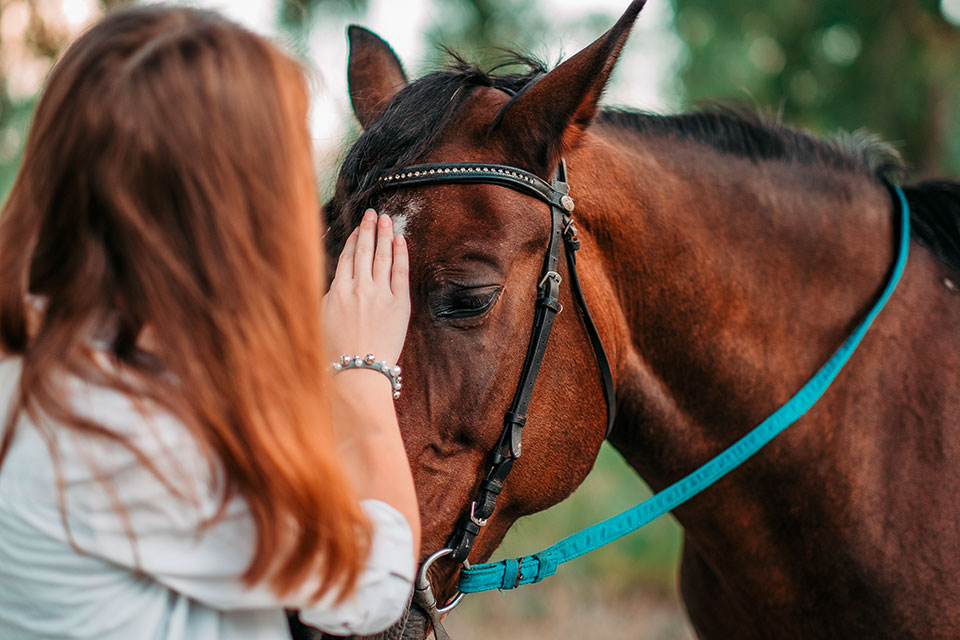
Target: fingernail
369,214
385,220
401,241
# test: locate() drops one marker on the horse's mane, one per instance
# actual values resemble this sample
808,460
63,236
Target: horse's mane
749,134
411,125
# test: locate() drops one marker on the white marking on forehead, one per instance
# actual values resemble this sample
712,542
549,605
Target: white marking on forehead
400,209
399,224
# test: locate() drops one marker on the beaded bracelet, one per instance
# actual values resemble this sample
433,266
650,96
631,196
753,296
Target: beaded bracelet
370,362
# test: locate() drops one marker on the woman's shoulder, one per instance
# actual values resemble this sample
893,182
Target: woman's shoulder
120,415
139,447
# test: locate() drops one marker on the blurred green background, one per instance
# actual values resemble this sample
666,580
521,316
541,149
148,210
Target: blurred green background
889,66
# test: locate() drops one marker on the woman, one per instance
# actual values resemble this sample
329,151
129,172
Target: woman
178,458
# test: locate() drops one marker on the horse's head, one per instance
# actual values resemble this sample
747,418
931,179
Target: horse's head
477,256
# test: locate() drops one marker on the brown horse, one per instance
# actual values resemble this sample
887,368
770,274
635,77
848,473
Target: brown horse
724,259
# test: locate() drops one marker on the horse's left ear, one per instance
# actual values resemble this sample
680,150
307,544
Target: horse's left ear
550,116
374,74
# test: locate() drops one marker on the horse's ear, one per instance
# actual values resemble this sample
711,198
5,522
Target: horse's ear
374,74
551,115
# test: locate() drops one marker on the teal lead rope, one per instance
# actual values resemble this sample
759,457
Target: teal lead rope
511,573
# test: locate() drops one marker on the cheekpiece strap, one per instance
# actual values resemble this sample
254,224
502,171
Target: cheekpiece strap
509,446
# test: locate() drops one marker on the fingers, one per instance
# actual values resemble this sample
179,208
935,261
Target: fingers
372,253
369,309
345,262
383,258
363,256
400,274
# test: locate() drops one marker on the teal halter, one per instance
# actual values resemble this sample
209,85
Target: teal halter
511,573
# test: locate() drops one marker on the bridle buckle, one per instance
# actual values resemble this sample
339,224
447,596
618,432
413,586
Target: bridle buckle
480,522
550,275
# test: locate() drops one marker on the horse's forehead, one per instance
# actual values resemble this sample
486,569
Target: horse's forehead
402,207
457,212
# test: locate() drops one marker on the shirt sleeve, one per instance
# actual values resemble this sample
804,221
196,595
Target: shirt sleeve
165,534
384,590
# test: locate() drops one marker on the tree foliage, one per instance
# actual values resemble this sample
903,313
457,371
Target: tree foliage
480,30
297,17
35,47
891,66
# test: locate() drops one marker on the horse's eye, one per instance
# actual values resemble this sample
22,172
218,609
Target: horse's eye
466,302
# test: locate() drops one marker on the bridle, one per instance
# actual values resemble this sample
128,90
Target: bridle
508,448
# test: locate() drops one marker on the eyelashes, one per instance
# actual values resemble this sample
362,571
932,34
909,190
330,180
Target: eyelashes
467,303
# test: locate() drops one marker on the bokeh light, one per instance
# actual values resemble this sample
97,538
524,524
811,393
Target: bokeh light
951,10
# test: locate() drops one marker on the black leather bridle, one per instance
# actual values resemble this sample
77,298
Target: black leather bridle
563,232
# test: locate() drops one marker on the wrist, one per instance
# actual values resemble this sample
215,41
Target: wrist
390,372
362,385
364,416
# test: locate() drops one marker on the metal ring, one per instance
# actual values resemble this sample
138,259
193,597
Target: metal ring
450,606
423,583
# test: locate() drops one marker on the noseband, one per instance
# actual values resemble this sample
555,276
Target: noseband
505,453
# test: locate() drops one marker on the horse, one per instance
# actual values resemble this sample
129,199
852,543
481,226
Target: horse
724,257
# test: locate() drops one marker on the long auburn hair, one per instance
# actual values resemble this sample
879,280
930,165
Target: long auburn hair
167,192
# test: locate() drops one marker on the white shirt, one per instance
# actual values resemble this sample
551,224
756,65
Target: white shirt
177,580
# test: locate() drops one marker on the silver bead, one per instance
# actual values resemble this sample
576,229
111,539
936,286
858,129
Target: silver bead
396,395
384,366
395,371
370,358
345,360
337,366
357,360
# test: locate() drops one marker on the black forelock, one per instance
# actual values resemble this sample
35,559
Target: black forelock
409,129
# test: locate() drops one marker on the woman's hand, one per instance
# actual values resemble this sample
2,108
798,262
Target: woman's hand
366,311
368,306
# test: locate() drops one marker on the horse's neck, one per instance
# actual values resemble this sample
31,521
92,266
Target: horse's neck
721,286
736,281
